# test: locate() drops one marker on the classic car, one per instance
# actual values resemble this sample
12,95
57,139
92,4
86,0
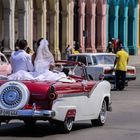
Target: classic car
60,102
100,65
5,67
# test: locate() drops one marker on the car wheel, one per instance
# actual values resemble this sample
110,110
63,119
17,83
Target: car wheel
65,126
102,116
13,95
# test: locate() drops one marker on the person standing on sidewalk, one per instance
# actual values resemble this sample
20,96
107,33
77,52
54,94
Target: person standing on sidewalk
120,66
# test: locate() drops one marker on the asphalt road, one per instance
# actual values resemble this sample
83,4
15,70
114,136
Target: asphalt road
123,123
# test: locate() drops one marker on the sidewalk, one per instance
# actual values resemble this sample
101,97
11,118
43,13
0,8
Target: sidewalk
134,60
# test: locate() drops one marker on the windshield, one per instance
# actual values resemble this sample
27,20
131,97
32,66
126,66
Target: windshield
105,59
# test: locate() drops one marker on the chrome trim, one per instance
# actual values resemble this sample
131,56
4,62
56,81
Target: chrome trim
30,113
73,94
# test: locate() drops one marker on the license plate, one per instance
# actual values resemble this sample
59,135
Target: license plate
8,112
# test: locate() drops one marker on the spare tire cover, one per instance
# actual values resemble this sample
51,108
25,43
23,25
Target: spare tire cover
13,95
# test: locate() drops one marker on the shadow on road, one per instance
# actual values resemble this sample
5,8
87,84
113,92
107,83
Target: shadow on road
38,130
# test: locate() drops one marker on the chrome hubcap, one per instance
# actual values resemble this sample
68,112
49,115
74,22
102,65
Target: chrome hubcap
11,96
103,112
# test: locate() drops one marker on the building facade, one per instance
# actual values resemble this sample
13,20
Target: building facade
90,23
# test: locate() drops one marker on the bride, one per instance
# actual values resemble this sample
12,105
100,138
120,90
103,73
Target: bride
43,62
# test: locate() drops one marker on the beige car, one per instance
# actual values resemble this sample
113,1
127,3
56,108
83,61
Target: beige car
5,67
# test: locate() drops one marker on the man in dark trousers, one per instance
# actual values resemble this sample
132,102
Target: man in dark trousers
120,66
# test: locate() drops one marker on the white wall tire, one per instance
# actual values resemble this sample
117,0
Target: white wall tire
65,126
13,95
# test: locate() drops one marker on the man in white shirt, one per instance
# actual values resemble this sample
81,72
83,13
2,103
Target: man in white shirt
20,60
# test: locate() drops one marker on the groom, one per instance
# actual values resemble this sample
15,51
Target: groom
20,60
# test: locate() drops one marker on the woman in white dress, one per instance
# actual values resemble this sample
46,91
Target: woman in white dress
44,60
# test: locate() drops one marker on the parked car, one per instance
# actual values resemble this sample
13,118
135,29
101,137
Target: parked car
100,65
5,67
61,102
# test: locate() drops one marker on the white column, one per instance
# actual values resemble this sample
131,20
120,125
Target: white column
54,33
9,30
30,40
70,22
41,21
82,25
1,20
26,21
44,18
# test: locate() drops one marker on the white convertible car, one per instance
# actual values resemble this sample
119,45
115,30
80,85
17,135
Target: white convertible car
101,64
61,102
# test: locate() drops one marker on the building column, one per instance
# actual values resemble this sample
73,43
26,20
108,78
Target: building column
93,19
107,26
132,34
1,20
25,25
44,19
91,29
115,35
41,20
82,25
103,33
64,31
113,21
102,25
124,28
70,23
9,31
30,40
54,30
138,32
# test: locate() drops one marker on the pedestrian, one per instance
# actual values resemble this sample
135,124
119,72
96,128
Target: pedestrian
120,66
20,60
110,47
75,49
115,44
68,51
17,45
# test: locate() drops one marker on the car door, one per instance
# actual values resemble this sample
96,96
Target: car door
93,69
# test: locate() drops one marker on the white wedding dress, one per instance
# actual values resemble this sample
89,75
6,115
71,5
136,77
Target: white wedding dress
42,62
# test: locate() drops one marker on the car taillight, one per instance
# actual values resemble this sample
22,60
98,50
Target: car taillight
52,95
132,71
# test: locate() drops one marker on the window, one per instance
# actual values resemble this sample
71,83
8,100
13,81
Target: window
105,59
94,60
82,59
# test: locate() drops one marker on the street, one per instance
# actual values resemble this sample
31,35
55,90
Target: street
122,123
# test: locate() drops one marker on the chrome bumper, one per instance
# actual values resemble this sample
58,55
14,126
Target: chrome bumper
27,113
